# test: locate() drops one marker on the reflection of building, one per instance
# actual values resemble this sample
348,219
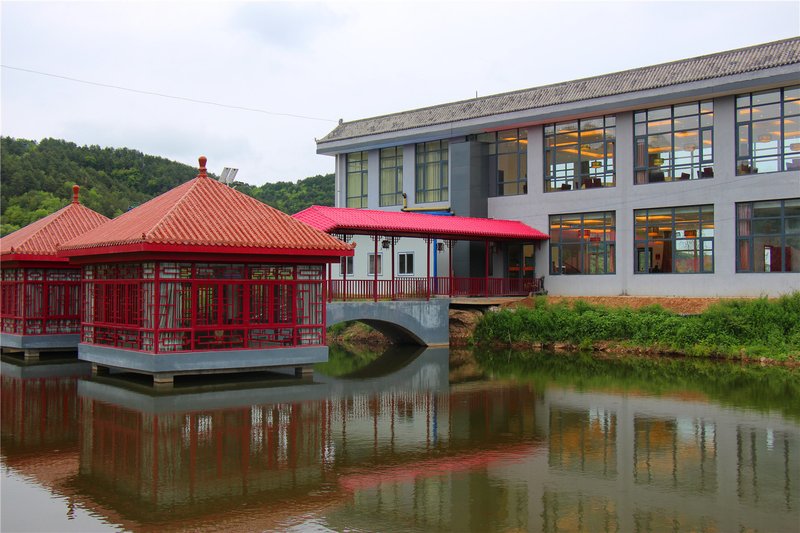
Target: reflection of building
648,463
408,451
688,167
40,302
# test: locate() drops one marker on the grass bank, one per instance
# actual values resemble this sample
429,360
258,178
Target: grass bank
743,329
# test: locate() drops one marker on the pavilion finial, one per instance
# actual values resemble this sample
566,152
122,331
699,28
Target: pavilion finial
203,159
75,193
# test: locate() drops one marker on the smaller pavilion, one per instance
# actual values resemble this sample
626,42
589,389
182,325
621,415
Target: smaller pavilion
40,303
203,279
385,229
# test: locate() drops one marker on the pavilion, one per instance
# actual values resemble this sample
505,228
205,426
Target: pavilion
40,309
203,279
386,227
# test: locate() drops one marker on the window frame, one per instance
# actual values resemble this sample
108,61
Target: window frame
748,226
605,246
349,262
673,168
498,146
371,263
554,180
643,248
401,256
746,141
431,189
361,199
393,170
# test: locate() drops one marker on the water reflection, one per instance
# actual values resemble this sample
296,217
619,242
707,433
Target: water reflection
393,446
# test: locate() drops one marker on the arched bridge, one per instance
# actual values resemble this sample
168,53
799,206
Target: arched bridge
425,322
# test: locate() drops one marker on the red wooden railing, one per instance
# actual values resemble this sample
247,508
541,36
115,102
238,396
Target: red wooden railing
409,288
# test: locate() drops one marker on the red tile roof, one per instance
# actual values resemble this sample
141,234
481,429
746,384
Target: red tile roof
204,213
41,238
367,221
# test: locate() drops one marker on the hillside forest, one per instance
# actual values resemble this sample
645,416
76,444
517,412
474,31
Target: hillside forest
36,179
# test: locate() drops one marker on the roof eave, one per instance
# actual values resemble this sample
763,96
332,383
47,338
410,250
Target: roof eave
620,102
201,249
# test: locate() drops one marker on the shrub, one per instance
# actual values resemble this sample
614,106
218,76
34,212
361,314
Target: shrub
727,328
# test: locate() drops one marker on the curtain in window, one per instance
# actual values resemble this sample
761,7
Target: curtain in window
744,214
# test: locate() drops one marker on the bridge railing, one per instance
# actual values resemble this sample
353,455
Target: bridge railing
418,288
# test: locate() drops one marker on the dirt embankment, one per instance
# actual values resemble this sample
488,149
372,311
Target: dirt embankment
684,306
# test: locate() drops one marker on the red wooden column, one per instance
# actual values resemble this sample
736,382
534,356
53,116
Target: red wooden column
486,268
375,271
428,262
450,265
394,292
344,274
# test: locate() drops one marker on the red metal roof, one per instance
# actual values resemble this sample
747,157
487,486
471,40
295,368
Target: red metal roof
41,238
204,214
367,221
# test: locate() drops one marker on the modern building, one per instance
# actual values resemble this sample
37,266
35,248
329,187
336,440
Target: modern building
203,279
40,303
675,179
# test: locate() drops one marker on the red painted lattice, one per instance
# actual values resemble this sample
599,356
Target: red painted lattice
178,307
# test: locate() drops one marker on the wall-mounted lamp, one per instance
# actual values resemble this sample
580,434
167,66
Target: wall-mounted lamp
439,246
385,244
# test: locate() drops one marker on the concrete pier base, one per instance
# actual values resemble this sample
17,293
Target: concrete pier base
163,381
303,371
100,370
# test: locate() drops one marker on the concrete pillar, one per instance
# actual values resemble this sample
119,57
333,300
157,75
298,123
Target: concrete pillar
304,371
98,370
165,381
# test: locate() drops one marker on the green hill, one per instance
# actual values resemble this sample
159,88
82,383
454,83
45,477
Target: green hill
36,179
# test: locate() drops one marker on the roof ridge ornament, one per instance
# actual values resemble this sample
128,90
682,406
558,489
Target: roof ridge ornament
203,173
75,193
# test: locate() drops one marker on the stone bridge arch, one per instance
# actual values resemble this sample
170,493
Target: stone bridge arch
423,322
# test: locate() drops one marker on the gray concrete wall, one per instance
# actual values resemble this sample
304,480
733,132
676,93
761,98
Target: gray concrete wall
424,322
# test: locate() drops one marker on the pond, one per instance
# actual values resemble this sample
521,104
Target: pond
407,440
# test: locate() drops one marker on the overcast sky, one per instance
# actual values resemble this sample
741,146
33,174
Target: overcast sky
297,67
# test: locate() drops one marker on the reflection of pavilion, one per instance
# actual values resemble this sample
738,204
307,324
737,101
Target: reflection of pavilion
153,456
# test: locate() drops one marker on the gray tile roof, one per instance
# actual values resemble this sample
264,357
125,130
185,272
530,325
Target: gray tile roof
732,62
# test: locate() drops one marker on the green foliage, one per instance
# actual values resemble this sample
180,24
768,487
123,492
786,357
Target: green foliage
729,328
37,179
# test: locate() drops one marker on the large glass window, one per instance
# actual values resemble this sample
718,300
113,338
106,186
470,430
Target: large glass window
507,161
674,143
431,178
391,185
768,236
356,186
583,243
675,240
579,154
768,131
